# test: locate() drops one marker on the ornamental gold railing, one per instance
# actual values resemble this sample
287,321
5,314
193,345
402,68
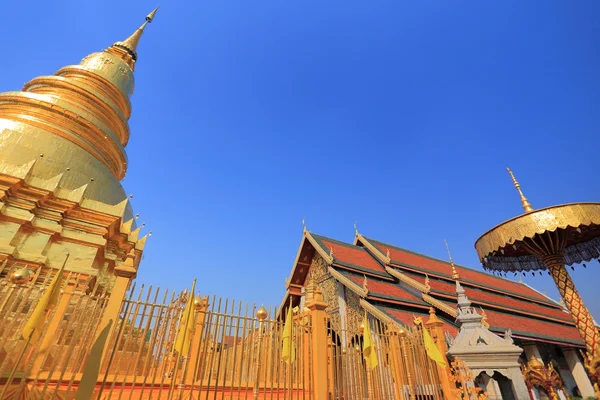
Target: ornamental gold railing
233,354
403,370
235,351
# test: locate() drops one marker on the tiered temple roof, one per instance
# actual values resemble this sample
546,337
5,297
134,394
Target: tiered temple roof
399,285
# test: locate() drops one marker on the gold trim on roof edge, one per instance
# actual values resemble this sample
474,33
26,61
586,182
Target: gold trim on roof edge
409,281
439,305
380,315
348,282
537,222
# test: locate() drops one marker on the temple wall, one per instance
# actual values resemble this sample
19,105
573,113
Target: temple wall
337,296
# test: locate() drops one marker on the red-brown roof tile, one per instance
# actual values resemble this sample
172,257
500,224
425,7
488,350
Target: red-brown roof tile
407,318
478,295
531,327
352,256
386,290
422,262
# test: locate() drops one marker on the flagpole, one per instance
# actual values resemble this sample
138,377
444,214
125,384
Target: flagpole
186,358
368,367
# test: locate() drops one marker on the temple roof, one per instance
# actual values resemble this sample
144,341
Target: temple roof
403,284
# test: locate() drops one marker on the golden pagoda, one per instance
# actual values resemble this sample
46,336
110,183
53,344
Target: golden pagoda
62,157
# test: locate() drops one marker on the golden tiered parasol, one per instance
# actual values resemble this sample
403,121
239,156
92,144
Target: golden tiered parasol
549,239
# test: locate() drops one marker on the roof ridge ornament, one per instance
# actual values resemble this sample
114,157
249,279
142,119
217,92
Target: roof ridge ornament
525,203
365,284
455,275
355,229
304,230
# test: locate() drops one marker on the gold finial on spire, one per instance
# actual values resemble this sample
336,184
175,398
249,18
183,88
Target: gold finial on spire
526,204
455,275
132,41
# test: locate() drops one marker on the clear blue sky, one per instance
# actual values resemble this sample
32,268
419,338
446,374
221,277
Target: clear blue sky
250,115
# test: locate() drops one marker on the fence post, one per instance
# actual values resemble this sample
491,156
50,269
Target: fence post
396,359
124,275
319,318
436,331
201,306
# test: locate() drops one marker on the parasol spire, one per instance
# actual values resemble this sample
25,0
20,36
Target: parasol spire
526,204
455,275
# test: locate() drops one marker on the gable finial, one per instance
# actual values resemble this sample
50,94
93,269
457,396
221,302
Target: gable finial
427,282
387,252
484,321
355,229
524,202
455,275
331,253
304,225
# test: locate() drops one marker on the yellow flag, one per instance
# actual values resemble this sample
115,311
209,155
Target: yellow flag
187,326
432,350
288,351
369,352
33,328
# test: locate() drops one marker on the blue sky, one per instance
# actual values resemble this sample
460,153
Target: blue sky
249,116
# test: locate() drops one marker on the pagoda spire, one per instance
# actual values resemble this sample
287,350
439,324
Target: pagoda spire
131,43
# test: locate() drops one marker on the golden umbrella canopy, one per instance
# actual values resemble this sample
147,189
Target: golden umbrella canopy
550,238
518,244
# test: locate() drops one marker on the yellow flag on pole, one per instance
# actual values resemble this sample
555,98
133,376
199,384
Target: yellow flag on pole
288,351
369,353
187,326
33,328
432,350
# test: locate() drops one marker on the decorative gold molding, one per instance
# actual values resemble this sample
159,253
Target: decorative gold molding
374,250
326,256
440,305
348,283
380,315
409,281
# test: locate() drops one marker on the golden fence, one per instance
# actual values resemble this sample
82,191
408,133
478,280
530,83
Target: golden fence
403,369
235,352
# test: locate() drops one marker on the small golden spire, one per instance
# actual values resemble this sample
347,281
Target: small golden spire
455,275
526,204
132,41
